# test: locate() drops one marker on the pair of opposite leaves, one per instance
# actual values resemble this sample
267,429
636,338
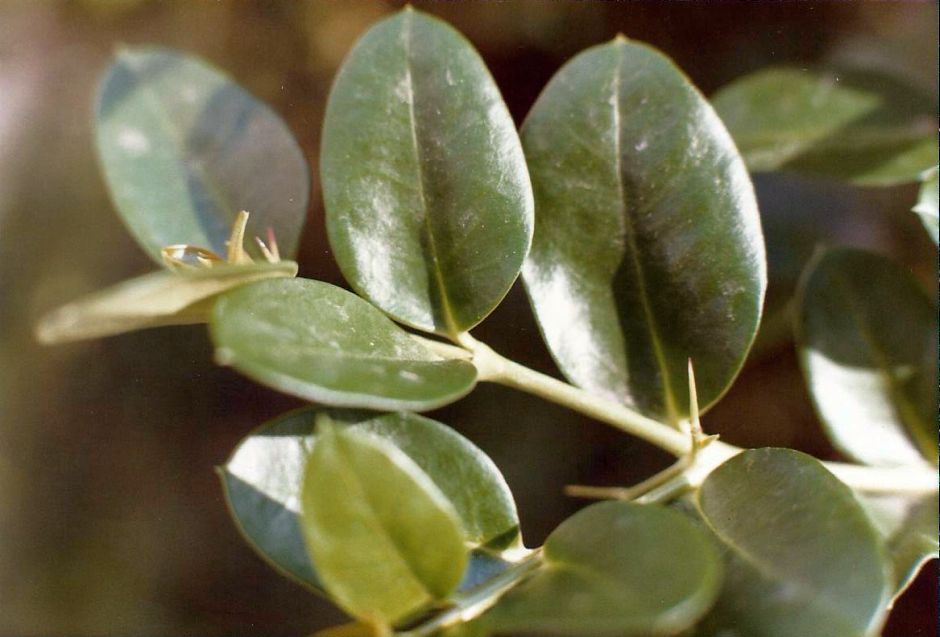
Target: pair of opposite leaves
648,248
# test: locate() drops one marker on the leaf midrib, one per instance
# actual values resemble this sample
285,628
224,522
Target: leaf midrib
446,309
352,479
632,248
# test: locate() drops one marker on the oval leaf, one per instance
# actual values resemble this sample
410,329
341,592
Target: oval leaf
802,556
184,148
428,202
928,204
648,249
862,127
263,479
152,300
385,539
320,342
867,336
615,568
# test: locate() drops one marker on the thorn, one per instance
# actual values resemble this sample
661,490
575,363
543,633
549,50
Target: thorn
236,242
693,404
271,254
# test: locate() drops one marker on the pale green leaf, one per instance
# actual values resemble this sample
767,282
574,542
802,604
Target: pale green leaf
183,149
155,299
264,475
385,539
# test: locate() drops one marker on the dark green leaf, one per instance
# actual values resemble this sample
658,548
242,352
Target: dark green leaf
803,558
868,343
322,343
152,300
648,249
927,204
385,539
428,202
263,481
184,149
615,568
862,127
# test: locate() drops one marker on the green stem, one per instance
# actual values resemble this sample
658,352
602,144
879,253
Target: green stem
496,369
470,605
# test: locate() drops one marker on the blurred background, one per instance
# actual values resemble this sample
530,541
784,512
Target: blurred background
111,518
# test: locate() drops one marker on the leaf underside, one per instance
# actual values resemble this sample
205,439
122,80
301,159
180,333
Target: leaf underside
183,149
867,336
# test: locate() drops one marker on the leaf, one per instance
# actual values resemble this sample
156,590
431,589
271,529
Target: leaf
915,543
862,127
909,529
428,202
152,300
802,556
867,337
263,478
928,204
385,539
322,343
648,249
184,148
615,568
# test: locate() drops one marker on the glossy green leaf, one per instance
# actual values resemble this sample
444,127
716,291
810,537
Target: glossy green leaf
648,249
928,203
867,336
428,202
862,127
264,475
155,299
615,568
802,556
385,539
320,342
909,528
184,149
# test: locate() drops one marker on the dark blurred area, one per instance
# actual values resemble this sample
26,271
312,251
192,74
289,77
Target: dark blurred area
111,518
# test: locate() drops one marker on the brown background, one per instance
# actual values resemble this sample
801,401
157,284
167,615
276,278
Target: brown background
111,519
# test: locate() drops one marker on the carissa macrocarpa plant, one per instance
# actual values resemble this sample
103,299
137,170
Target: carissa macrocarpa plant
627,207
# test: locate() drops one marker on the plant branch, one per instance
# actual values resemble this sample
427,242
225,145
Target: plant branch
495,368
